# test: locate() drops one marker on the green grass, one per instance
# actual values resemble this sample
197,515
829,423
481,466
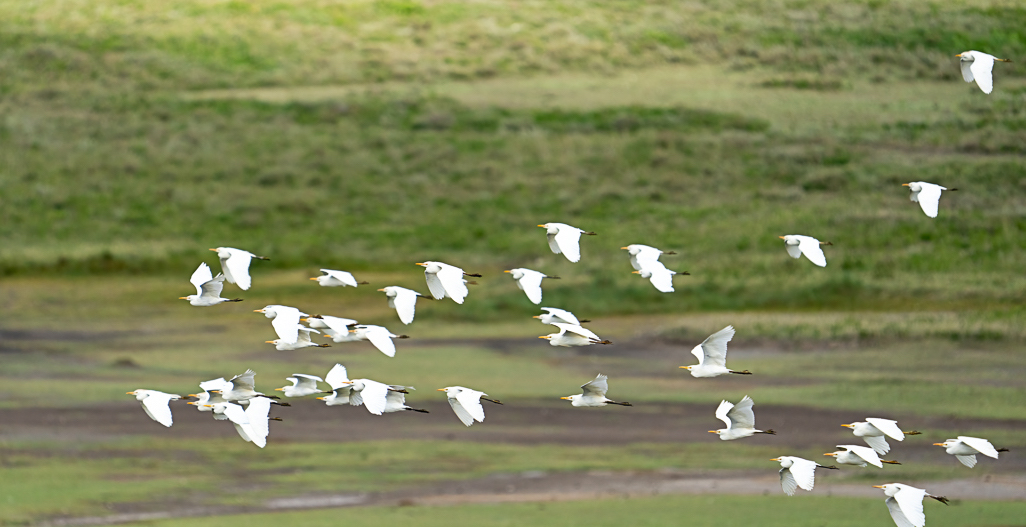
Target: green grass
700,511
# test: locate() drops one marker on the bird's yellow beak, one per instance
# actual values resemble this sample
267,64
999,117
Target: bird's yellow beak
536,316
904,184
304,320
775,459
440,390
507,271
192,403
781,237
268,342
713,432
216,391
878,486
564,398
215,250
279,389
624,249
129,393
314,278
546,228
321,398
183,298
938,444
959,55
192,395
848,426
831,454
635,272
544,337
422,264
258,310
684,367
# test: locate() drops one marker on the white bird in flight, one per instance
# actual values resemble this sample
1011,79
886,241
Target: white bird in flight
284,320
797,245
905,504
242,388
797,473
565,239
643,253
335,327
712,355
302,340
371,394
594,394
859,456
873,430
395,400
466,403
965,449
446,280
927,195
156,404
379,336
571,335
740,420
208,288
658,274
302,385
210,395
335,278
402,300
978,66
530,282
337,378
235,264
559,316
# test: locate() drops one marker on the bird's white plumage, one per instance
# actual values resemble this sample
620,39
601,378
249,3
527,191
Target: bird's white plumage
235,265
889,427
380,337
564,239
336,278
965,448
978,66
927,195
445,280
303,340
371,394
529,282
858,455
596,387
257,412
302,385
556,315
156,404
657,273
712,354
796,473
806,245
640,254
571,335
905,504
243,387
201,276
285,321
338,378
403,300
739,418
594,394
466,404
980,445
579,330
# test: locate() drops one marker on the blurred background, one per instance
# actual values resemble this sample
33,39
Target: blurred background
369,135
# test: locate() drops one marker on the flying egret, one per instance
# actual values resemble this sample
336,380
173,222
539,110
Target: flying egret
395,400
302,385
965,449
643,253
530,282
658,274
402,300
337,378
561,316
798,245
740,420
237,415
565,239
258,413
905,504
466,403
335,278
335,327
302,340
156,404
594,394
210,395
978,66
859,456
712,355
243,388
379,336
446,280
571,335
208,288
371,394
284,320
873,430
927,195
797,473
235,264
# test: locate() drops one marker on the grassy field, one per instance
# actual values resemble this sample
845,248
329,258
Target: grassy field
369,135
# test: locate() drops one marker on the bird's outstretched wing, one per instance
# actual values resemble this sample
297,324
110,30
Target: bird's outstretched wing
381,339
236,267
900,520
375,396
982,445
453,282
811,249
306,381
531,284
286,323
804,472
661,277
645,254
563,314
200,276
471,402
597,387
967,70
435,285
742,414
337,324
245,380
582,331
910,500
982,67
878,443
342,276
969,461
713,350
787,481
867,454
257,411
215,384
405,303
568,241
213,287
723,411
461,412
336,376
929,198
888,427
156,406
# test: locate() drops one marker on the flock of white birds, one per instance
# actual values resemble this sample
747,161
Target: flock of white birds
236,400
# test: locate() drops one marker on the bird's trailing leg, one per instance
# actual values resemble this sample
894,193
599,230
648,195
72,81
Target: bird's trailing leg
941,499
770,432
913,433
831,467
1003,450
589,233
601,342
363,283
398,391
583,320
418,410
685,273
745,372
621,404
475,275
491,400
234,300
403,337
274,418
323,346
283,404
553,277
261,257
826,243
889,462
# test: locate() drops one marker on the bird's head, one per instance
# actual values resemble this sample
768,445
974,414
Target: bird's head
851,425
947,443
572,398
222,252
685,368
913,187
550,228
548,337
832,454
789,239
717,432
190,297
